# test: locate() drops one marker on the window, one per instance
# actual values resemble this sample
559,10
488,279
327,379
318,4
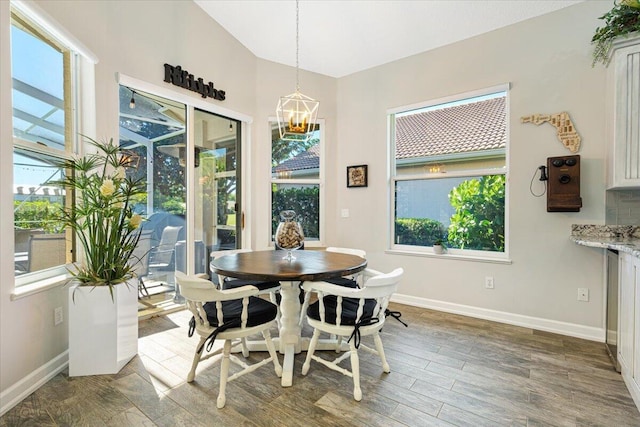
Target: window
449,174
297,182
41,70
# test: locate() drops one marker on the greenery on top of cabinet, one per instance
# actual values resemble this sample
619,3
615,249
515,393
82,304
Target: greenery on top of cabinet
621,20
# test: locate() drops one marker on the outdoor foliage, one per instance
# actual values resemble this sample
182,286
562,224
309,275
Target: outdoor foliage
418,231
305,202
478,222
174,205
38,214
622,19
102,217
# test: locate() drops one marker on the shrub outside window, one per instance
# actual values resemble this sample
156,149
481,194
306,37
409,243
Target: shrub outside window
450,173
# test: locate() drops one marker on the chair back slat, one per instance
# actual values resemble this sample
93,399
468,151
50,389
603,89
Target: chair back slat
322,310
339,311
219,312
245,311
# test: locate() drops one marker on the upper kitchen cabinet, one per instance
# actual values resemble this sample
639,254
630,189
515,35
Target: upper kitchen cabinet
624,129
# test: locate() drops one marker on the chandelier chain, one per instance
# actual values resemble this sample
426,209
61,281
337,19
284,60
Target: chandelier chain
297,46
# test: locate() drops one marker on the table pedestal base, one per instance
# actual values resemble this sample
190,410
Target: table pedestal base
290,352
290,342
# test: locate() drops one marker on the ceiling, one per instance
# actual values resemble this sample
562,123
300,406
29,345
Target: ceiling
341,37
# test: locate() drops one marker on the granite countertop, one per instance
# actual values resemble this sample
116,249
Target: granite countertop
623,238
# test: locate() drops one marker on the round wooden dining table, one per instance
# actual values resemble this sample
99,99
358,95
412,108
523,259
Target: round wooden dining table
308,265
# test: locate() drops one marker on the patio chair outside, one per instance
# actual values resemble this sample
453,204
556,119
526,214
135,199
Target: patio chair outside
46,251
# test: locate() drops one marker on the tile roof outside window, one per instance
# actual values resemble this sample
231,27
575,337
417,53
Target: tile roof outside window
473,127
309,159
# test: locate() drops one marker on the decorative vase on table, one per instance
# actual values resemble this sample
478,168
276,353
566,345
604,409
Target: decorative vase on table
289,235
103,308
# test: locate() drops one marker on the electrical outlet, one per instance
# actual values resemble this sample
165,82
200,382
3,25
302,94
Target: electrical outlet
583,294
344,213
488,282
58,317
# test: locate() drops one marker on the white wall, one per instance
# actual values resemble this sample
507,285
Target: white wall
547,60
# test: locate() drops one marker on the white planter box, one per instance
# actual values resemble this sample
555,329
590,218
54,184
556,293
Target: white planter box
103,333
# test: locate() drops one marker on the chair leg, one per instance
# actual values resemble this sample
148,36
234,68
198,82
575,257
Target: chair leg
224,373
380,349
196,360
312,348
303,310
272,352
245,349
355,371
142,288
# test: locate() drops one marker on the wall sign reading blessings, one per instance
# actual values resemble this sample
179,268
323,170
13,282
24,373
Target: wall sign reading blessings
179,77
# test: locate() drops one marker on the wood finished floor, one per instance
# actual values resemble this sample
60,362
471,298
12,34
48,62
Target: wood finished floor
445,370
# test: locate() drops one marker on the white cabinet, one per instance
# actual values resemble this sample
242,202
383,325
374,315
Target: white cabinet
626,309
624,128
629,323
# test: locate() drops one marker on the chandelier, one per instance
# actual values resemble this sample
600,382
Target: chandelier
297,113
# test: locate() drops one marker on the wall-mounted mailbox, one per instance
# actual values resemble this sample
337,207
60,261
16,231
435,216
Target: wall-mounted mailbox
563,193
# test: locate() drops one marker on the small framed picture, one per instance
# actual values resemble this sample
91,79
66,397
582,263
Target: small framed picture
357,176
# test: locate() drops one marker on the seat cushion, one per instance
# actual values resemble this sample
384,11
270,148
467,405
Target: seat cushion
343,281
260,311
349,310
238,283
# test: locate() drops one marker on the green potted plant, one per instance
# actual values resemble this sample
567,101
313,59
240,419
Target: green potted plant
438,246
622,20
102,217
105,225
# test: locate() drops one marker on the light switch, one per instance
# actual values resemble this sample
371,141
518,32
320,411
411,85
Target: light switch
345,213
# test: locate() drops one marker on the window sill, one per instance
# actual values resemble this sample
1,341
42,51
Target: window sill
447,256
39,286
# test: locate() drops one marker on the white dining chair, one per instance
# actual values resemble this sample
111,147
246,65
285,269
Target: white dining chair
351,281
140,261
269,288
229,315
351,313
354,280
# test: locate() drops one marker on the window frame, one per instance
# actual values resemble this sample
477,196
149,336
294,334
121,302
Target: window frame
320,181
75,54
394,178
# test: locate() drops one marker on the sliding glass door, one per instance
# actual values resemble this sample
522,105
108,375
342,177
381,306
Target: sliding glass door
158,133
218,214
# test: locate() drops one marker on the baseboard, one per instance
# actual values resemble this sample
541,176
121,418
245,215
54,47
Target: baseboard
563,328
27,385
